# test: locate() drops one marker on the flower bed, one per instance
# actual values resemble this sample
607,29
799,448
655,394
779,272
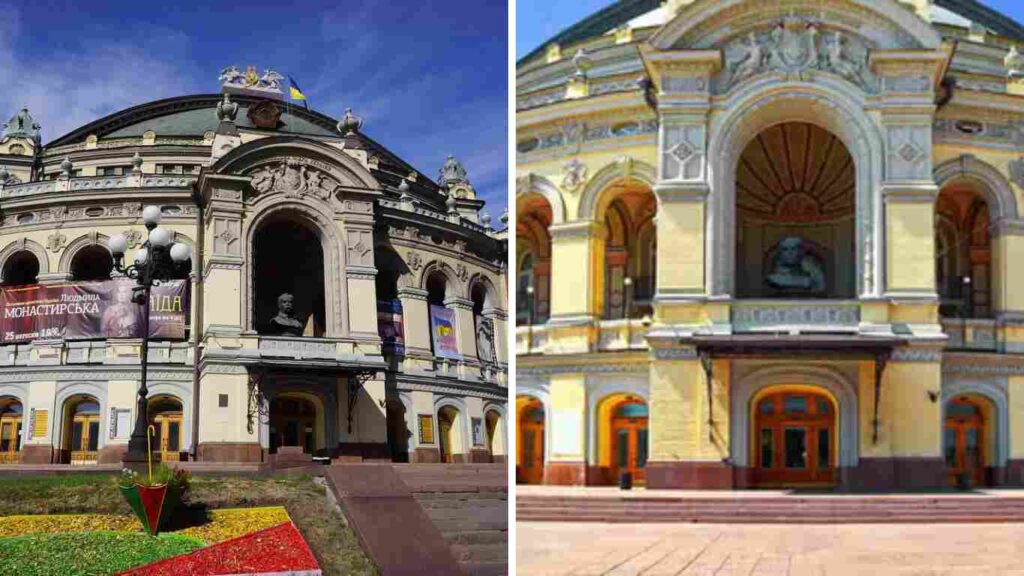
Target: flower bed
103,552
107,543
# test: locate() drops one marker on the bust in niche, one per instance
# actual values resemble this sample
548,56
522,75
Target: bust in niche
794,270
284,324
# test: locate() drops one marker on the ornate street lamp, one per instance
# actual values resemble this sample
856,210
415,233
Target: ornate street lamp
529,318
157,261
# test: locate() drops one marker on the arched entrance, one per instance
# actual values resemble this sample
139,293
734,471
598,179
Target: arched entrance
450,440
165,415
628,440
630,254
293,422
795,438
530,461
11,413
82,429
965,438
398,430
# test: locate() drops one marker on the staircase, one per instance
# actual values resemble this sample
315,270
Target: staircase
772,509
468,503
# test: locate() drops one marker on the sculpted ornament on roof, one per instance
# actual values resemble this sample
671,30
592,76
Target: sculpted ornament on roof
795,47
22,125
292,178
270,80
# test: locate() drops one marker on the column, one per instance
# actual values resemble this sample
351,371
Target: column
416,324
577,285
1015,399
223,247
224,434
465,335
566,463
911,392
688,445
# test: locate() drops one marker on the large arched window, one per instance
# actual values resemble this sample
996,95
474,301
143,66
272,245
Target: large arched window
963,253
795,215
91,263
289,259
437,292
533,259
627,209
21,268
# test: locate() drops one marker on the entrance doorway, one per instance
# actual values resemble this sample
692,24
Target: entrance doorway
10,430
292,423
82,419
446,429
531,441
964,441
795,439
629,439
165,415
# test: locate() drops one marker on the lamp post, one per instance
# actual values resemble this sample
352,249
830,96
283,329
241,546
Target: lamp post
628,282
529,318
157,261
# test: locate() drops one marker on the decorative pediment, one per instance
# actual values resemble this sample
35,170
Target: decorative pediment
880,24
293,177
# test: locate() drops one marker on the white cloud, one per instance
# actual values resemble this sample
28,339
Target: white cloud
65,90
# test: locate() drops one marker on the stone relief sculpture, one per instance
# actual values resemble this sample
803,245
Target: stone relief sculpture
284,324
794,270
22,125
795,48
293,179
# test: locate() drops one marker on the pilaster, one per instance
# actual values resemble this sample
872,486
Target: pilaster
566,462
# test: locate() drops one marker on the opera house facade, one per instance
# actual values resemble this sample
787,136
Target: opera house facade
764,244
336,303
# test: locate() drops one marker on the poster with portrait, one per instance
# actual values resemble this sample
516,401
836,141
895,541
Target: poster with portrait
390,326
442,331
92,310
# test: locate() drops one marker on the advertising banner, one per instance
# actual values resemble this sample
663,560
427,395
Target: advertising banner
389,325
84,310
442,330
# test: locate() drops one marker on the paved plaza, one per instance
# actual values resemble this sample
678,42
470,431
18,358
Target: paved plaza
767,550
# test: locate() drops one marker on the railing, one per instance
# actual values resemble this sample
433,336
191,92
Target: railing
531,339
622,335
971,333
84,457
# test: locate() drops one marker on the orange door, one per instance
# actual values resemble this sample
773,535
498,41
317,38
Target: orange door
531,444
963,438
794,440
629,440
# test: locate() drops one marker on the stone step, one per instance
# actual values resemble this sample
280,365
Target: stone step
478,537
447,526
490,512
480,552
485,568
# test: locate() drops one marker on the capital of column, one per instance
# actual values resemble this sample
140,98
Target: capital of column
668,191
412,294
577,230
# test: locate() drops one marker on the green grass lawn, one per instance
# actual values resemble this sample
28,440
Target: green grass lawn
87,552
332,541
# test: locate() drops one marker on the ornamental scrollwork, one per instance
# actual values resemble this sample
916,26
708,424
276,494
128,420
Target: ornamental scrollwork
292,178
795,47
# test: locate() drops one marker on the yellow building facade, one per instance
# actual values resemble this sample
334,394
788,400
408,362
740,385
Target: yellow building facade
273,199
772,244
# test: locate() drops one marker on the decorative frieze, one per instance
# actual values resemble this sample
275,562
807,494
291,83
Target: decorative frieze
590,133
912,354
751,315
675,353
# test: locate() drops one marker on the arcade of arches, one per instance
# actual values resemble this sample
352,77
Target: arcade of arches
788,258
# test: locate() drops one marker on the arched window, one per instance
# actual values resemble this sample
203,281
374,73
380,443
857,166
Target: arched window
21,268
963,253
533,256
628,209
91,263
441,321
525,284
389,307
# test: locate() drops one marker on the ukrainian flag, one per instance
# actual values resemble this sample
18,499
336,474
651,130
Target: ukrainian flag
295,93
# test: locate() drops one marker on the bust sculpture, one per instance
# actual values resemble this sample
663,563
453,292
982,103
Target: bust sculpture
793,270
284,324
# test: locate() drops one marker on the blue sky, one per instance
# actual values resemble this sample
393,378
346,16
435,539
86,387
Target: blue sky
429,77
538,20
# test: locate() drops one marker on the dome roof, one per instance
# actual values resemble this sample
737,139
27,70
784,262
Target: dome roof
642,13
194,116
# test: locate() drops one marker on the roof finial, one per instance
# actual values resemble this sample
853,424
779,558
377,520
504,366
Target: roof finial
350,123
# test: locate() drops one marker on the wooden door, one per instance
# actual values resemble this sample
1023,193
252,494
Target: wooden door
629,441
531,443
444,430
964,442
167,440
10,439
85,435
794,440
